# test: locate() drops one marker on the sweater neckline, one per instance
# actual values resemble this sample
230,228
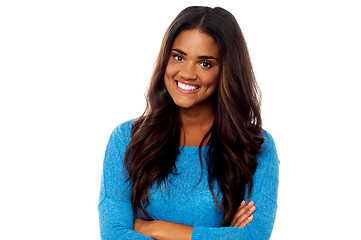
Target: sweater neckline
193,149
180,147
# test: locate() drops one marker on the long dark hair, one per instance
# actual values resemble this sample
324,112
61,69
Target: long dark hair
234,138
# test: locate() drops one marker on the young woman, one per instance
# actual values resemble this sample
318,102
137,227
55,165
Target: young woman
197,164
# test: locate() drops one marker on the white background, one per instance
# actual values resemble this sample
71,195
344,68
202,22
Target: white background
71,71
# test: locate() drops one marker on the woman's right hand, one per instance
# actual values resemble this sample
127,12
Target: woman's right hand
243,215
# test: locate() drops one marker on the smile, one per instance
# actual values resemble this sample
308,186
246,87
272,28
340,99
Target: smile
187,87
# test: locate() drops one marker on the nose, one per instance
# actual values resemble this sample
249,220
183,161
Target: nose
188,71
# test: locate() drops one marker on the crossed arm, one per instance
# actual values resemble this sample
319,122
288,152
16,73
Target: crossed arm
163,230
116,217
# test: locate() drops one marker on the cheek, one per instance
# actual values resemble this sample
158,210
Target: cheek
168,77
213,88
170,70
211,79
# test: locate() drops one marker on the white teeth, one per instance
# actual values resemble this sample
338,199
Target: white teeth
186,87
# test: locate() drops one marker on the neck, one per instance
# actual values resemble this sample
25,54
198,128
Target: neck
196,122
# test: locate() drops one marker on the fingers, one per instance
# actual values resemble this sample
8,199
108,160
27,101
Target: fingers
245,222
243,203
243,215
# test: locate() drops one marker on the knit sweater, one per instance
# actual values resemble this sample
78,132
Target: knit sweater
186,197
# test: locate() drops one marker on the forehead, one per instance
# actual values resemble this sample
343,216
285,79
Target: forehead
196,43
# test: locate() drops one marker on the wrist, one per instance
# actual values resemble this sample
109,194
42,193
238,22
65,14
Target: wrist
145,227
154,229
168,230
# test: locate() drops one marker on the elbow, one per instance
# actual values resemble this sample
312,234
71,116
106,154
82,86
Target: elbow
260,233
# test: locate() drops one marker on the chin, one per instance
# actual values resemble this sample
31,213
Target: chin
183,105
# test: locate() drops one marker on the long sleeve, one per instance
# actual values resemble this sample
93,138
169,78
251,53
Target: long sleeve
115,209
186,197
264,194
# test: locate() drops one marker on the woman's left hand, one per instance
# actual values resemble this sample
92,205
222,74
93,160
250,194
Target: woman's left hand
243,215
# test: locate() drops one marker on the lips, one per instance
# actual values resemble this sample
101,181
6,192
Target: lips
187,87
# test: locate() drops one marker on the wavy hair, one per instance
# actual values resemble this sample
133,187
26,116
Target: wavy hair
234,138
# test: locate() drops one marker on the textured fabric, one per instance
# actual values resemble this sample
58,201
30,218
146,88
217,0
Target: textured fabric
186,197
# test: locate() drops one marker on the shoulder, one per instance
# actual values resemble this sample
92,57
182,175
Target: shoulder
124,129
121,134
267,157
269,146
266,177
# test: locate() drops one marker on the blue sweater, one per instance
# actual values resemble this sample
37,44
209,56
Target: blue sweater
185,199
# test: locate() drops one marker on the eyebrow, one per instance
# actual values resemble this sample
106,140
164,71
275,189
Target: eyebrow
200,57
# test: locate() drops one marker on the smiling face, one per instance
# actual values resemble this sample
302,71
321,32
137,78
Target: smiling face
191,76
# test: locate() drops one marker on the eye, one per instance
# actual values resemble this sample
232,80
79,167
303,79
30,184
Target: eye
178,57
206,64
